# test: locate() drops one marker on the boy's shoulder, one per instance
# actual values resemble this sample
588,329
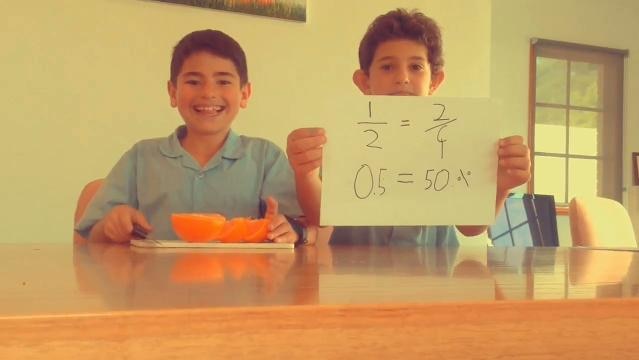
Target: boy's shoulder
154,143
167,146
151,142
246,140
258,145
236,145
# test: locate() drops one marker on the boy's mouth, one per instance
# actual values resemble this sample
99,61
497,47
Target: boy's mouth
209,109
402,93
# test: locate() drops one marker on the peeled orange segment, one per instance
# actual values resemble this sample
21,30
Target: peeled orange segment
234,230
200,227
257,230
197,227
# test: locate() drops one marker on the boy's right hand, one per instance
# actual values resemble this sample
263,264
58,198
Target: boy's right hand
304,150
279,230
118,223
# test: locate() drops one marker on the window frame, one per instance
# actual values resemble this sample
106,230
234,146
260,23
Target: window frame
561,207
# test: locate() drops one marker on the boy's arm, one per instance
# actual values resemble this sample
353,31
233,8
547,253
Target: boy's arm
97,232
304,150
309,194
118,189
118,225
278,194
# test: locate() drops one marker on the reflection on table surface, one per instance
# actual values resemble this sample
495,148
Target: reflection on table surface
112,301
90,277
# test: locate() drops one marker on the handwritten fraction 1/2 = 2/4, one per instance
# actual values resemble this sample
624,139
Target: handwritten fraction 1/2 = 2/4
440,121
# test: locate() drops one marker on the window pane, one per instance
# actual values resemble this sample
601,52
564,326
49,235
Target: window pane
550,177
584,84
550,130
584,132
583,177
551,80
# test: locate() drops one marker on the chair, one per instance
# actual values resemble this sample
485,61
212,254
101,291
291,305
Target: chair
85,197
526,220
600,222
87,193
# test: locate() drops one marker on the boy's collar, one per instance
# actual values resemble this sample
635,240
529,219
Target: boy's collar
171,147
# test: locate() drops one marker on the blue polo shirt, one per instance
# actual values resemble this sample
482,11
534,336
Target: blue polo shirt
158,177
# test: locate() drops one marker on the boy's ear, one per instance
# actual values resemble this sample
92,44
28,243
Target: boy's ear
247,91
360,79
171,90
436,80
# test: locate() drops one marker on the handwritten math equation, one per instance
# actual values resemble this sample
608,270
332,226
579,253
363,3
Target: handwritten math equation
375,181
376,127
369,181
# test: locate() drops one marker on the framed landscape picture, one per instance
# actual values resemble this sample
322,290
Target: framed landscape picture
283,9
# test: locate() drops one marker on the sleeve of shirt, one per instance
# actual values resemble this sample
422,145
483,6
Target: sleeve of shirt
279,182
119,188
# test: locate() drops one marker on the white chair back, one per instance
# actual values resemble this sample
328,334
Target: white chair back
600,222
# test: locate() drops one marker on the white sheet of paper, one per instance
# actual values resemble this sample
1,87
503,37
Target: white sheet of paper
395,160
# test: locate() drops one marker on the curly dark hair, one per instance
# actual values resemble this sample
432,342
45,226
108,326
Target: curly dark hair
211,41
402,24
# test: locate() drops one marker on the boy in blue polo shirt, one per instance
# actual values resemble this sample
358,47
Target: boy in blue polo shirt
203,167
400,55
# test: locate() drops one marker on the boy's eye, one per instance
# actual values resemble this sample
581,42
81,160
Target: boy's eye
224,82
386,67
192,81
417,67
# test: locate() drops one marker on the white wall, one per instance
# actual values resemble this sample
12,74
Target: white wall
610,23
84,80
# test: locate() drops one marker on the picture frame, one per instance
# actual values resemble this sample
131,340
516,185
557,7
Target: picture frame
635,168
294,10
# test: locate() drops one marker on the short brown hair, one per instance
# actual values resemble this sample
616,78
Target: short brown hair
402,24
214,42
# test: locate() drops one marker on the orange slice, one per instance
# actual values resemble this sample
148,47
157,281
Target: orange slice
234,230
257,230
197,227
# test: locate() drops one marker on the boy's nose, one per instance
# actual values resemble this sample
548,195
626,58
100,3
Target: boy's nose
209,91
402,77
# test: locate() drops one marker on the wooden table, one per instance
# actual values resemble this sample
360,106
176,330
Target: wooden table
109,301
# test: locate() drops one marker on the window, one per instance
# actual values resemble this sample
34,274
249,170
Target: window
576,109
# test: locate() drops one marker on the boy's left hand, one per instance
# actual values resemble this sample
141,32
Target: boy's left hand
514,163
280,231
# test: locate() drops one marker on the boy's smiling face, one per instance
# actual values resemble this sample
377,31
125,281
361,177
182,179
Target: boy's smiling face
208,94
399,67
